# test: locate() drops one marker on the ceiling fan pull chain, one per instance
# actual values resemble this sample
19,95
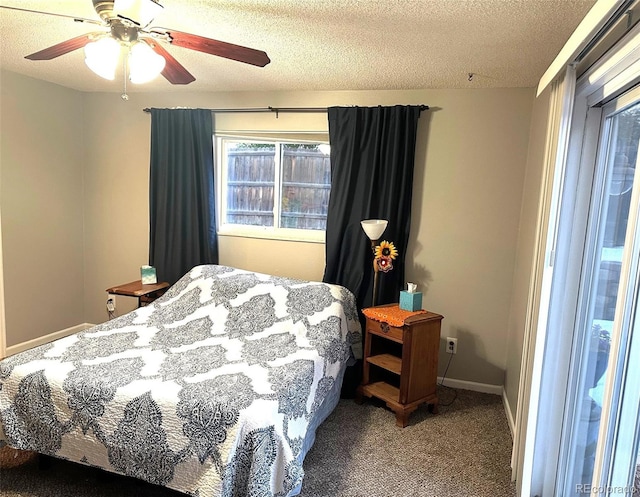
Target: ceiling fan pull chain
124,95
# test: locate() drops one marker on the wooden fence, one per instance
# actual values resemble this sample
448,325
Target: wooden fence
306,185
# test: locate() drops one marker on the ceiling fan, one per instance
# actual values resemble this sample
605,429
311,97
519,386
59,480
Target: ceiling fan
127,28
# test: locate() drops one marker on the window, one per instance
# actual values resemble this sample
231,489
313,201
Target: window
273,188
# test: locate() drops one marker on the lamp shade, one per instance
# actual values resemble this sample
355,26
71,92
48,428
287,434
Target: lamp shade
374,227
144,63
102,56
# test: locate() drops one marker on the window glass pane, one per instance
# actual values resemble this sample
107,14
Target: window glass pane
250,183
276,184
306,184
623,133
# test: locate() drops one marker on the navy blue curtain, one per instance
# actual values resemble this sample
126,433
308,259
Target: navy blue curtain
372,162
182,217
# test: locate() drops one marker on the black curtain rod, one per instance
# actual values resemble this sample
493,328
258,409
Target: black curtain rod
264,109
277,110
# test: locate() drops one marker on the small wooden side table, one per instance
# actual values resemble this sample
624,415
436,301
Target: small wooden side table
400,363
145,293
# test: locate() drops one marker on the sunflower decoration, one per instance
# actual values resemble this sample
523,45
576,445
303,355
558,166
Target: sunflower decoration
385,253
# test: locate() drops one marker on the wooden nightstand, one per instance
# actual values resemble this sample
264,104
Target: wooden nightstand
400,363
145,293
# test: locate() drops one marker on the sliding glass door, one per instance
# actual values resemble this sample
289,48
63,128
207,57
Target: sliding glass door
582,356
600,432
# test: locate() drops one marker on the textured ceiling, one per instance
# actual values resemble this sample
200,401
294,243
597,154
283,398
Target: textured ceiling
321,44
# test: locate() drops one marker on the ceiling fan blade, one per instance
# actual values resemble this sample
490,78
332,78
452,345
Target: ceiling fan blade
75,18
62,48
219,48
174,72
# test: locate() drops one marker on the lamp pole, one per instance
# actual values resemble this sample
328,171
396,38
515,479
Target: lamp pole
374,298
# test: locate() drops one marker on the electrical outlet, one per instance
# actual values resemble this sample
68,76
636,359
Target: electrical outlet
452,345
111,303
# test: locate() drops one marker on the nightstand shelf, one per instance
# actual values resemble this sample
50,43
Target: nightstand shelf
387,361
383,391
401,360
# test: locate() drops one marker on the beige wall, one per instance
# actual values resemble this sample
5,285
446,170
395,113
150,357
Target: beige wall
526,246
466,216
117,194
41,161
470,167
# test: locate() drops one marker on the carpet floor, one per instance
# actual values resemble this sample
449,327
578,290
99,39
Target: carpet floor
465,450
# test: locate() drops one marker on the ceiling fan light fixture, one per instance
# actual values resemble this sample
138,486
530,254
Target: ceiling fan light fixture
102,56
142,12
144,63
125,21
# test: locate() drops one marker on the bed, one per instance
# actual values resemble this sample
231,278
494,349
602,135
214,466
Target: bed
215,389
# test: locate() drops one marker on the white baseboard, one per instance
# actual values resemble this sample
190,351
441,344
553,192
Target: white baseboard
472,385
509,412
14,349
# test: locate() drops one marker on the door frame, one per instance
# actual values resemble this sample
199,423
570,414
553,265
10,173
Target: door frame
626,318
547,356
586,221
3,329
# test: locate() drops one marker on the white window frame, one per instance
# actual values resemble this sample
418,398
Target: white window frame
265,232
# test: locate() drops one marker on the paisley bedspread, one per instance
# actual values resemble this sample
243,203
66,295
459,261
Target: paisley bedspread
211,389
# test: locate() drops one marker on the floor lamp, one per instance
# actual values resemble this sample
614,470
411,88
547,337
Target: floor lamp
374,229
